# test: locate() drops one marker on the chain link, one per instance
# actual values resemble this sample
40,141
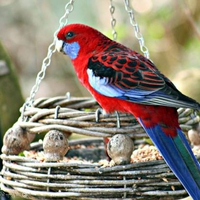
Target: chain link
113,20
138,34
47,60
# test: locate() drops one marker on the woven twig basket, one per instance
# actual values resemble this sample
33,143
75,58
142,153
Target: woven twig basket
33,179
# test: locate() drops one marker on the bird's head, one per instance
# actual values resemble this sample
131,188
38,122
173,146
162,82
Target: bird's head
78,39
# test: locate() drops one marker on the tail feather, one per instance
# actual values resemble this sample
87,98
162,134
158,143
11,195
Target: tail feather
179,156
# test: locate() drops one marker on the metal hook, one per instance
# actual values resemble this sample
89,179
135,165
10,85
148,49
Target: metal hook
68,95
118,119
56,112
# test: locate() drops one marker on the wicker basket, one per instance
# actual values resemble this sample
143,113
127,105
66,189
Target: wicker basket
33,179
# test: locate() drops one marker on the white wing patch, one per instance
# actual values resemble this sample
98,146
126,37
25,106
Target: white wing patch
102,86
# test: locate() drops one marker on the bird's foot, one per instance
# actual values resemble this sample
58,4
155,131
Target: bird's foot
100,111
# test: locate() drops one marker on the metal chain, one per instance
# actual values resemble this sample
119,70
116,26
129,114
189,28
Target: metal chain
113,20
47,60
138,34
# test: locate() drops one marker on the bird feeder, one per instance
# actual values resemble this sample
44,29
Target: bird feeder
59,168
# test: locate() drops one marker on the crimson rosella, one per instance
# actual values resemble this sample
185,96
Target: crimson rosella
121,79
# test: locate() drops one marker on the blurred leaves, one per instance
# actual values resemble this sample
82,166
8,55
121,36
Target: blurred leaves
170,29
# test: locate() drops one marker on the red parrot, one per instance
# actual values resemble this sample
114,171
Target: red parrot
121,79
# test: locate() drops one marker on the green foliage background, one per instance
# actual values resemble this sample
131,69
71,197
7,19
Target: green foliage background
170,28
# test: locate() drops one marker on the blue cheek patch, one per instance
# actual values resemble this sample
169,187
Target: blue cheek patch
71,49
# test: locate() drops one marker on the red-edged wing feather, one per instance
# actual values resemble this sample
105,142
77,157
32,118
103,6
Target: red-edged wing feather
126,71
131,72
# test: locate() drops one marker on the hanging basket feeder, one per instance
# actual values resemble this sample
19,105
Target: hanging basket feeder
83,179
45,172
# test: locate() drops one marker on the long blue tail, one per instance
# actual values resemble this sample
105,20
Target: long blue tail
179,156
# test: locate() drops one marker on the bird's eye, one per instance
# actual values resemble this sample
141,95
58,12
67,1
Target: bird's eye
69,35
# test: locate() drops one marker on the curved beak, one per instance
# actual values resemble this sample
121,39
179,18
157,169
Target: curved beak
59,45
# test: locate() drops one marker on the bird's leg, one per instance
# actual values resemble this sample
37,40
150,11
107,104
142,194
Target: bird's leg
103,112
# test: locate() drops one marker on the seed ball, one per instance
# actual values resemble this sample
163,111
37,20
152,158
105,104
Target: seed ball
120,148
55,145
194,135
31,136
15,140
